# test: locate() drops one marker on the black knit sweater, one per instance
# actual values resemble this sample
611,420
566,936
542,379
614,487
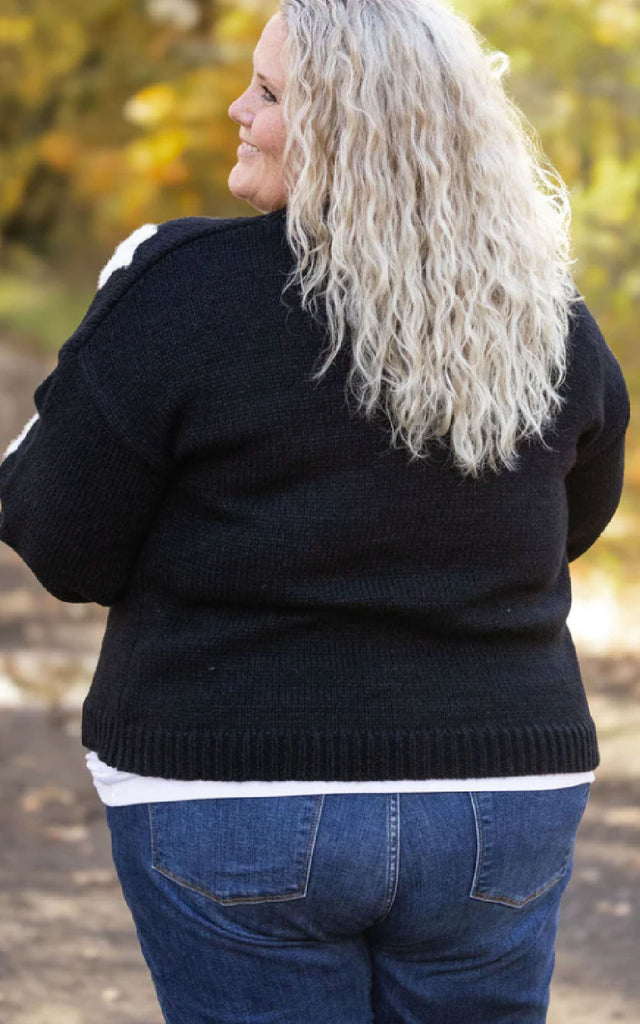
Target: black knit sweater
289,597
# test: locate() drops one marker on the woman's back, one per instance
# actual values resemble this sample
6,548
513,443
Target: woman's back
293,596
399,622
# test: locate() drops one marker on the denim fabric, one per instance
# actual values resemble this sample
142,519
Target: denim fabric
404,908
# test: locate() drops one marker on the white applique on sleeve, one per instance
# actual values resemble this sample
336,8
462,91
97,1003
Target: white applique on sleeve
124,252
122,257
17,441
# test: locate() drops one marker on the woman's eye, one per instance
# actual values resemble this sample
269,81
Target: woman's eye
272,98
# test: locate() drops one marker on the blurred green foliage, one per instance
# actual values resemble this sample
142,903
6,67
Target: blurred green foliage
114,113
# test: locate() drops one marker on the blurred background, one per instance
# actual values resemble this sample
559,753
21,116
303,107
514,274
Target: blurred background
113,114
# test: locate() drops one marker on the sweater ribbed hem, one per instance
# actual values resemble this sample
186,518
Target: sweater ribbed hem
318,754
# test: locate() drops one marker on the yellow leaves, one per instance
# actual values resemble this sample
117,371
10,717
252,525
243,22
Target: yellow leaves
59,149
11,191
615,188
15,30
68,43
632,466
594,278
189,203
48,48
565,104
154,155
207,93
199,97
238,28
616,23
127,178
99,172
136,202
15,168
236,25
182,14
474,10
189,115
522,60
220,137
152,105
617,184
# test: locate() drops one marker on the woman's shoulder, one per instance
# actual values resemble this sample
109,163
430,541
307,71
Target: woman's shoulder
150,242
150,266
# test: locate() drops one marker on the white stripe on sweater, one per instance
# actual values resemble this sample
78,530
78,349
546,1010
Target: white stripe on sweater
122,257
125,251
20,438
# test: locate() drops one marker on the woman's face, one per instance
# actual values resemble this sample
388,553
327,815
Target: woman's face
257,177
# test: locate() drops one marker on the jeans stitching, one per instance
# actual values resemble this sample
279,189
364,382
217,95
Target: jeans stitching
311,842
298,893
510,901
479,843
393,857
503,899
279,898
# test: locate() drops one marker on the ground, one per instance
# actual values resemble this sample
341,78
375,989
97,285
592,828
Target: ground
68,949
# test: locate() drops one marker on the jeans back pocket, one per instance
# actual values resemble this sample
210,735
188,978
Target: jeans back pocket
237,849
525,841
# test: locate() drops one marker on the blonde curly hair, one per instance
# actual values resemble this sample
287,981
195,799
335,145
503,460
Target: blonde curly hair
418,206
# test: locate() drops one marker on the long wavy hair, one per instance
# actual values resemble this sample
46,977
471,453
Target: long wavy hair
418,206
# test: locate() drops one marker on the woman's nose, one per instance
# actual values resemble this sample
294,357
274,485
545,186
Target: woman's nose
238,110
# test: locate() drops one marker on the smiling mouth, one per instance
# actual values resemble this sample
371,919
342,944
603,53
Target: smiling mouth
244,147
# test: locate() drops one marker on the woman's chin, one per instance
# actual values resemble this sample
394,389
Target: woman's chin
237,190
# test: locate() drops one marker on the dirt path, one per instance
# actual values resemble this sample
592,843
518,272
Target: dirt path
68,950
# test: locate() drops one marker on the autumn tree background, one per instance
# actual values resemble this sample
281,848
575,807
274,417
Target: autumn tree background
114,113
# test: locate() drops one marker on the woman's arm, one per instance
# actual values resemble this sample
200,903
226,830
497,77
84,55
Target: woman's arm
82,483
77,502
594,483
593,493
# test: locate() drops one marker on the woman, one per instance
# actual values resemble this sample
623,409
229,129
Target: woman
337,718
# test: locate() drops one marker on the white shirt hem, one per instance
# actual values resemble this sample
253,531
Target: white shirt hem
119,789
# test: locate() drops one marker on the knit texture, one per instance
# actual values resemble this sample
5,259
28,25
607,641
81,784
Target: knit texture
289,597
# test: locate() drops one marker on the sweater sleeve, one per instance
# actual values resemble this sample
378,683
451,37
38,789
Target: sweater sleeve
82,484
594,484
77,502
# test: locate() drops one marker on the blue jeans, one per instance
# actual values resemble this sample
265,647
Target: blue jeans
404,908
